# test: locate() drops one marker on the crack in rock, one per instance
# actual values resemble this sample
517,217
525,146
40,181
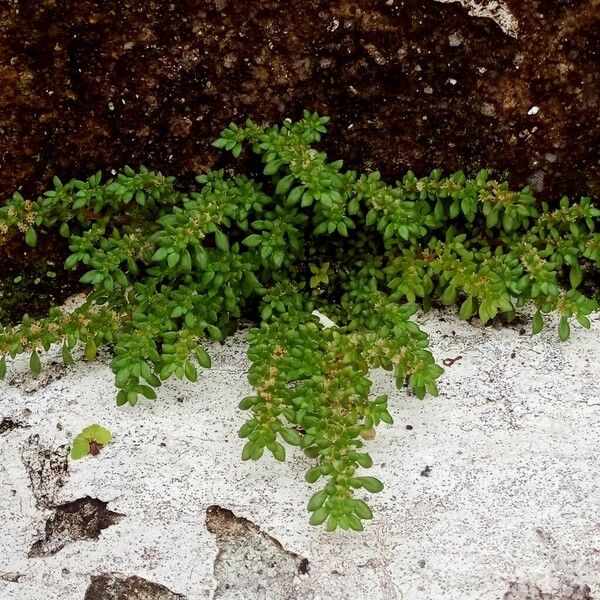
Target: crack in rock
117,586
7,424
81,519
47,470
496,10
530,591
12,577
252,564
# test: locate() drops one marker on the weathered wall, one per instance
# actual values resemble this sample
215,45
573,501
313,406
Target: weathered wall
491,489
410,84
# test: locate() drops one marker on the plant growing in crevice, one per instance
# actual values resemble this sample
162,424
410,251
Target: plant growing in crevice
170,268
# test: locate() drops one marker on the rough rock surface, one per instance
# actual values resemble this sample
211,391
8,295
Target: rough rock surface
116,586
509,507
95,84
252,564
81,519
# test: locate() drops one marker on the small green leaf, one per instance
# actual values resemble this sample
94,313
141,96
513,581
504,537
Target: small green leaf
257,452
507,222
247,403
252,240
581,319
67,356
121,397
80,448
71,261
203,357
190,372
221,241
362,509
3,367
575,276
248,450
313,474
64,230
295,195
34,363
278,451
278,257
355,523
90,349
31,237
147,392
371,484
272,167
220,143
291,436
284,184
364,460
564,329
538,323
96,433
371,217
317,500
160,254
466,309
341,228
319,516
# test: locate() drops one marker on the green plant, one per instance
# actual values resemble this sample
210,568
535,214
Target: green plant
90,441
170,267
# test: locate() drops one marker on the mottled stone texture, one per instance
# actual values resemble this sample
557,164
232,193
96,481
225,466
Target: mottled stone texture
91,84
116,586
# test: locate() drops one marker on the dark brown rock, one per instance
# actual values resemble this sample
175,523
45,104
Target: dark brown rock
8,424
92,84
82,519
116,586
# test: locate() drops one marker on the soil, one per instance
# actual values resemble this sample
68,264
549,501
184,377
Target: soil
32,280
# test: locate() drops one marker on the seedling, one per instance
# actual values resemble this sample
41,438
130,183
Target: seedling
90,441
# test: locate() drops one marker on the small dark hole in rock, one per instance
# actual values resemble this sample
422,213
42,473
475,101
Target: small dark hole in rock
81,519
8,425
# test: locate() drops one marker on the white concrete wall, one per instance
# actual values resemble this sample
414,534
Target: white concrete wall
510,506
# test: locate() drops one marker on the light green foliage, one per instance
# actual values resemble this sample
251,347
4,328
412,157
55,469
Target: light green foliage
169,268
89,441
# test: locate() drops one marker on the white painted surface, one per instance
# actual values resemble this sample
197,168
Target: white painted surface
513,493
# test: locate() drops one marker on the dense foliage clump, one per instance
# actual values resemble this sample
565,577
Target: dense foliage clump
169,268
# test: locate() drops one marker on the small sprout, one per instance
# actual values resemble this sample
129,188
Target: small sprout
90,441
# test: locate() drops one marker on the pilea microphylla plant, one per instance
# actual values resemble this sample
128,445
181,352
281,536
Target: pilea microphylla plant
170,268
